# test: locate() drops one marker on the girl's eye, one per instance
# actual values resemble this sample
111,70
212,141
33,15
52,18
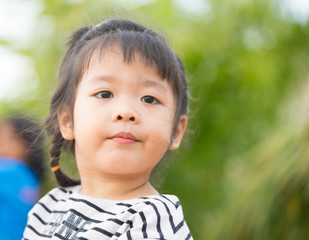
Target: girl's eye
105,94
150,100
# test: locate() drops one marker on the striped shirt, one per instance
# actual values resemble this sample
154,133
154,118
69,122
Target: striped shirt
63,213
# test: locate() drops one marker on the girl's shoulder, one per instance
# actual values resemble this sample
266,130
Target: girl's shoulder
162,202
59,194
163,216
64,192
165,207
51,199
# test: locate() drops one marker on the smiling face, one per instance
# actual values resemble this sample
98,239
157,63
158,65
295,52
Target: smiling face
123,118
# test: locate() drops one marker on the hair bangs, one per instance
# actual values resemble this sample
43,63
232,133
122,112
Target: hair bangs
152,50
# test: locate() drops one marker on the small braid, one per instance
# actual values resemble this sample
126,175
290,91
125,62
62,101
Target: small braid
55,152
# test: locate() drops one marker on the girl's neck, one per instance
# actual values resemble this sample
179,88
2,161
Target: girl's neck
115,188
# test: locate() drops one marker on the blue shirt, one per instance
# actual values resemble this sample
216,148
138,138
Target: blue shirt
19,190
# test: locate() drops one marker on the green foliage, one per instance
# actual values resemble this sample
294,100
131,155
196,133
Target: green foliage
267,198
243,174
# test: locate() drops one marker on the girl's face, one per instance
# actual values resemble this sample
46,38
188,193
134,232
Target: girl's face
123,118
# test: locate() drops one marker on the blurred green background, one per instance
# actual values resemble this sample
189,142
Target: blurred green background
242,172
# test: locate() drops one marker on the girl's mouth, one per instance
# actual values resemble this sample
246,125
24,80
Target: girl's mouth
124,138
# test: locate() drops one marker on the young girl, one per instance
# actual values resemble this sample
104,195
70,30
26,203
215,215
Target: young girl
120,104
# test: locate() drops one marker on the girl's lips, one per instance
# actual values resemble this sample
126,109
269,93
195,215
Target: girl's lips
124,138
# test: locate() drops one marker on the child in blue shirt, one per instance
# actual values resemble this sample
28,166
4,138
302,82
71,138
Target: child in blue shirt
21,165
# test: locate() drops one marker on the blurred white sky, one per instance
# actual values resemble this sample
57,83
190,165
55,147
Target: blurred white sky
18,20
17,23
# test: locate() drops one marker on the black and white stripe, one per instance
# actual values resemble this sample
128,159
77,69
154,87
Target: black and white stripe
63,213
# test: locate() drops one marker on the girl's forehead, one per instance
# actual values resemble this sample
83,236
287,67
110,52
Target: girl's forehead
107,59
114,51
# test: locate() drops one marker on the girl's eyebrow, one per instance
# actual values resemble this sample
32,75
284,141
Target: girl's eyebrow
101,78
148,82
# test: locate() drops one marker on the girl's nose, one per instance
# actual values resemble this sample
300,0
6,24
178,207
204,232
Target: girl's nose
127,116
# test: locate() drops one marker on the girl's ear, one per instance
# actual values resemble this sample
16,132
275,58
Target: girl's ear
65,124
181,128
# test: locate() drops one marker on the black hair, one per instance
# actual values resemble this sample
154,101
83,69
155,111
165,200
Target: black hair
131,37
30,132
